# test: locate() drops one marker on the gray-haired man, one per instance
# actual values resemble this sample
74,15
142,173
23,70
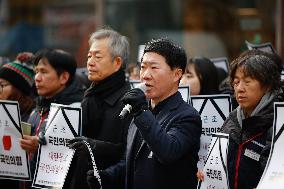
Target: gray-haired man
107,58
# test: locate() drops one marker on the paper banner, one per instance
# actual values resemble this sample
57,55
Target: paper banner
185,93
266,47
215,169
14,162
273,175
213,109
221,62
134,83
140,52
54,158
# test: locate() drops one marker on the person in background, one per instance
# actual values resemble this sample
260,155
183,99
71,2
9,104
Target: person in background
102,128
255,79
163,138
16,82
133,72
55,83
201,75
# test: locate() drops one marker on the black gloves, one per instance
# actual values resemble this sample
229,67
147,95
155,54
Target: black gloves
137,99
92,180
78,144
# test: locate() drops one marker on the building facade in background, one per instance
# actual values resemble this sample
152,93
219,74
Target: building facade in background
203,27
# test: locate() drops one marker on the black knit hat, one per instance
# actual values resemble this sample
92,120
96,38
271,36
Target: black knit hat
19,75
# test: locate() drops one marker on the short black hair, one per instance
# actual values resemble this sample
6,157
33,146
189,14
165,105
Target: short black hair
175,55
258,65
60,60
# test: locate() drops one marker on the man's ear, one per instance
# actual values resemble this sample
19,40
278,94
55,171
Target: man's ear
117,63
64,77
177,74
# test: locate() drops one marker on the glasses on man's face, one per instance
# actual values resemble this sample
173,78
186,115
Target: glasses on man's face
2,85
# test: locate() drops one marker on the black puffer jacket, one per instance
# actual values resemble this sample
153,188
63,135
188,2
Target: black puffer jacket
249,146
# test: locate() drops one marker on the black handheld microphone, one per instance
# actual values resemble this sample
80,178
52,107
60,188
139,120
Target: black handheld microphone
127,108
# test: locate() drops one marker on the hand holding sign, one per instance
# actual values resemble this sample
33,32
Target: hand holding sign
29,143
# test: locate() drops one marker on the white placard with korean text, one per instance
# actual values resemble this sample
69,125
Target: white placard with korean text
215,168
14,162
213,109
273,175
54,158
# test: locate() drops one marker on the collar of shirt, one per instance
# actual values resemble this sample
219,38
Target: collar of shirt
160,105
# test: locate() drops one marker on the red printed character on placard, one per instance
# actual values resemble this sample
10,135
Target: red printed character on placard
7,142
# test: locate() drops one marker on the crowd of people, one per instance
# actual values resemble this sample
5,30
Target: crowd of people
156,145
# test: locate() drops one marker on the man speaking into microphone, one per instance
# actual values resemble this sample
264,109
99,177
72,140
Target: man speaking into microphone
163,137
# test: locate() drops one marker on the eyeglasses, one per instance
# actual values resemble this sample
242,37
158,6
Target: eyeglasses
2,85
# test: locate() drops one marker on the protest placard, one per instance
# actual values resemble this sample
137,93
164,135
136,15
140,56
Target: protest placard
14,162
221,62
140,52
215,168
213,109
273,175
54,158
185,93
266,47
134,83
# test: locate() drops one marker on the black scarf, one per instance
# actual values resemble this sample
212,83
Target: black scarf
92,105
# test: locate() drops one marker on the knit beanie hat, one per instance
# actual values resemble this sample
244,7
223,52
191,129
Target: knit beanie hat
19,75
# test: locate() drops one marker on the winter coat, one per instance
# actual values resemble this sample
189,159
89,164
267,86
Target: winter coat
249,146
168,154
101,107
72,94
